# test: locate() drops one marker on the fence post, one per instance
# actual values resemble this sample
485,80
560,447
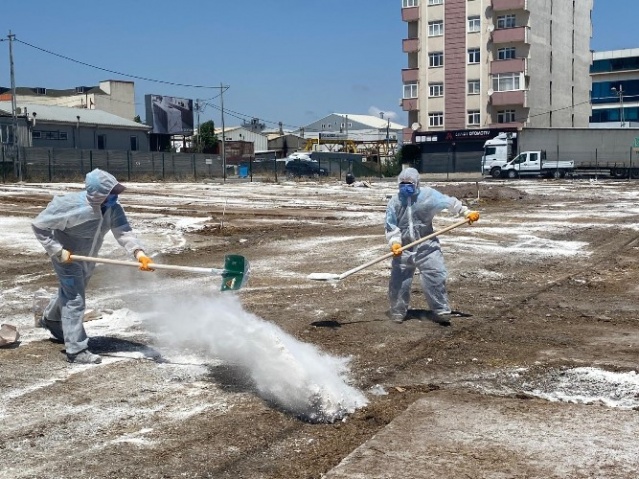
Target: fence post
128,165
4,171
50,171
193,162
107,160
91,160
596,163
163,168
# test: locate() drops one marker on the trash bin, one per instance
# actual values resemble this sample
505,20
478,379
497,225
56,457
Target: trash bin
243,171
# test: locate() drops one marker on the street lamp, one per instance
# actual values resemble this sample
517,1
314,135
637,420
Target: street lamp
619,93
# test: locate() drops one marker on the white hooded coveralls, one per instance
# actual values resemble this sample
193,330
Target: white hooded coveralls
78,222
409,219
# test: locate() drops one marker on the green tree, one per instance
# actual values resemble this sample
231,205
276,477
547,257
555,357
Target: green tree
206,139
137,119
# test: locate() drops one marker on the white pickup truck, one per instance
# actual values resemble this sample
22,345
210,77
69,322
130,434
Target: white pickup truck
534,163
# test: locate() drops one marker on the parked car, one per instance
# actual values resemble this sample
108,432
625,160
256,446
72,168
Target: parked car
304,168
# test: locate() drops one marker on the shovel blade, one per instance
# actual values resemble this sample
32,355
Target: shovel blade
236,272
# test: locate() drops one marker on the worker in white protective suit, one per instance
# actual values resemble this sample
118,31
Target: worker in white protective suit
76,223
409,217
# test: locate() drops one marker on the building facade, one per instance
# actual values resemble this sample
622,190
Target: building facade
484,64
112,96
60,127
615,89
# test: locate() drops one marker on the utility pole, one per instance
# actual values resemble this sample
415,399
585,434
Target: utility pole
14,108
197,109
387,140
223,133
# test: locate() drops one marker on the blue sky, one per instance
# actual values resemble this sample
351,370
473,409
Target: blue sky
293,61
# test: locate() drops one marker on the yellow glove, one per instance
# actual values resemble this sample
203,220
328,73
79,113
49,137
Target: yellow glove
396,249
145,261
64,256
472,216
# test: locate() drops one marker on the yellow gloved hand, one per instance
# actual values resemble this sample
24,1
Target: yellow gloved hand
145,261
472,216
396,249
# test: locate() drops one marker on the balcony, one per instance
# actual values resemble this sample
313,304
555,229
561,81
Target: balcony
410,104
410,45
503,5
410,75
410,14
514,65
407,135
510,35
509,98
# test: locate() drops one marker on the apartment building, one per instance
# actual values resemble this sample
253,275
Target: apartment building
495,64
615,89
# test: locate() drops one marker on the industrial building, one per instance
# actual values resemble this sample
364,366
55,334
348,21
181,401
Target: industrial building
112,96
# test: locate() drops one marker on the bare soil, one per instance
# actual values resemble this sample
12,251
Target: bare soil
541,312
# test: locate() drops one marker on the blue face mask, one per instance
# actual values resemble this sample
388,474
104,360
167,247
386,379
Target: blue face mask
406,189
111,200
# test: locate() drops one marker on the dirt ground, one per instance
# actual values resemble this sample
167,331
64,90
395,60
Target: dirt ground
546,281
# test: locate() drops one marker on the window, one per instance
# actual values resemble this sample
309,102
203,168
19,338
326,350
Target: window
474,87
6,134
436,119
410,90
506,53
436,89
410,3
436,59
435,29
507,82
435,2
474,117
506,21
473,55
506,116
49,135
134,143
101,142
474,24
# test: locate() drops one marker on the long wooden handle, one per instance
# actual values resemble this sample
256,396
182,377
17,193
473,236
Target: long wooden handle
188,269
409,245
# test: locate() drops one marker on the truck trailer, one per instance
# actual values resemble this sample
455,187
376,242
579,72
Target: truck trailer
602,151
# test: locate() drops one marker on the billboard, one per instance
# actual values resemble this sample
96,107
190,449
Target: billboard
168,115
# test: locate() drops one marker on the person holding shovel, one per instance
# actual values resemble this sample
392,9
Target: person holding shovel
409,217
76,223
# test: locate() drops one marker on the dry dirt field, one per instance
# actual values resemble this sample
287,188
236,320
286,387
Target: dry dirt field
545,285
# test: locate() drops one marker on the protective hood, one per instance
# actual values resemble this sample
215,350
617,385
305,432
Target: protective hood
409,175
99,184
73,209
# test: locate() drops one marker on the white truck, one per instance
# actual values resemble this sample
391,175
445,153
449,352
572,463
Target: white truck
534,163
497,152
595,151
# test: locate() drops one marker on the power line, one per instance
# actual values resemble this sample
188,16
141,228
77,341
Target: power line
127,75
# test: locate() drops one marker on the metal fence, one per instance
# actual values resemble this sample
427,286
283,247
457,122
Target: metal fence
54,165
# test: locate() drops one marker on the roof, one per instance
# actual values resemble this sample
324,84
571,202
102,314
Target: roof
63,114
372,121
609,54
50,92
